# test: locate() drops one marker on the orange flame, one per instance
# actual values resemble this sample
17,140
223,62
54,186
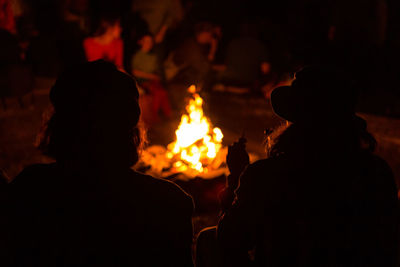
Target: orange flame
197,144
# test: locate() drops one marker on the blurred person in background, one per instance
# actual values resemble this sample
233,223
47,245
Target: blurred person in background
246,59
7,19
76,12
194,57
163,18
160,15
106,43
146,68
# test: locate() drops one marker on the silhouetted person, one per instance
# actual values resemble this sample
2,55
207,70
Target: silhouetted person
89,208
322,198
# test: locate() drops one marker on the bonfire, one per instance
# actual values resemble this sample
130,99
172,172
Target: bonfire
197,150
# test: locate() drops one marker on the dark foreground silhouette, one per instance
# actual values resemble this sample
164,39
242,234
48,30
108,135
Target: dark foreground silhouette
89,208
322,198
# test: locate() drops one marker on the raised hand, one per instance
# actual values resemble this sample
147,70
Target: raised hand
237,160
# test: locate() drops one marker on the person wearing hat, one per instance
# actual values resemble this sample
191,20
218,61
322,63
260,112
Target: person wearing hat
89,208
321,198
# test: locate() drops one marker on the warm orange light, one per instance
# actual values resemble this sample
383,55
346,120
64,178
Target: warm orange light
197,143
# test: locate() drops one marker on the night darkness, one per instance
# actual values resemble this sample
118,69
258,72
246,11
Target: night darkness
199,132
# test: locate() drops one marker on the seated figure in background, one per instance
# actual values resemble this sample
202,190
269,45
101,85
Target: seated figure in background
146,68
246,60
194,57
89,208
106,42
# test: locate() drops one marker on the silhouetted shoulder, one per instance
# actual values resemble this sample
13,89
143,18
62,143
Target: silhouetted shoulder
34,176
140,218
42,176
165,191
263,178
263,170
167,217
379,164
378,174
270,163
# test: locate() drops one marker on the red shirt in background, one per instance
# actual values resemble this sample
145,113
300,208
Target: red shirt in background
7,21
112,52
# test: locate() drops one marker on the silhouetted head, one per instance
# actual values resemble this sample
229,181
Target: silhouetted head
318,95
320,104
95,117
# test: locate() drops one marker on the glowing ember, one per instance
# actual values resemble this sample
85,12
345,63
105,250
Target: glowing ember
197,143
